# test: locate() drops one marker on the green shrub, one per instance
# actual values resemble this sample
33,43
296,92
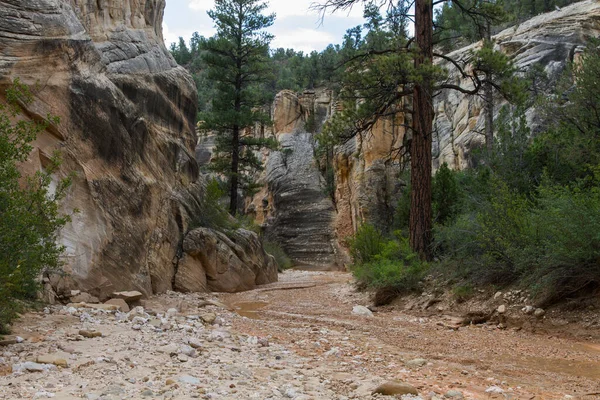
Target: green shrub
445,195
366,244
211,212
248,223
487,243
282,259
388,266
29,208
566,257
463,293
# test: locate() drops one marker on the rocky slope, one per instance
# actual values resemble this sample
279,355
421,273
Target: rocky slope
127,129
550,41
299,339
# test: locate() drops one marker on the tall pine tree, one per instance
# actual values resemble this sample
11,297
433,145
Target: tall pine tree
237,59
405,70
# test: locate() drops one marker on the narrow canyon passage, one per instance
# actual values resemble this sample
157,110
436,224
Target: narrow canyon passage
358,352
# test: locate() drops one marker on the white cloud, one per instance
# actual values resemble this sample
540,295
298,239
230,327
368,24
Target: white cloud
296,25
302,39
172,36
283,8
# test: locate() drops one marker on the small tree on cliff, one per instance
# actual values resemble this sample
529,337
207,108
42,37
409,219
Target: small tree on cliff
379,81
29,207
237,58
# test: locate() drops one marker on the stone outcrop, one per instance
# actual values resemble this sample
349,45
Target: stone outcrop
217,262
550,40
127,129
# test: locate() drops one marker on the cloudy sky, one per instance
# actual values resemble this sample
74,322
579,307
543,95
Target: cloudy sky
296,25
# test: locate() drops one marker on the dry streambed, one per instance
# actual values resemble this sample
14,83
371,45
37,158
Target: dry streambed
302,338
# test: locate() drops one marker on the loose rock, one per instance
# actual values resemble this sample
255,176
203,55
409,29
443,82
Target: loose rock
394,388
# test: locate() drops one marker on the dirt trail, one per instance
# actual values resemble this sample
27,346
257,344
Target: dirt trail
296,339
317,322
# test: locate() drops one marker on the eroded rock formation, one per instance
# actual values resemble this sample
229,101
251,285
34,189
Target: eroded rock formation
293,206
550,41
127,129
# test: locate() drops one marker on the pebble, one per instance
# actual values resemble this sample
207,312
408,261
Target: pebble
539,313
90,334
528,310
494,390
416,363
454,394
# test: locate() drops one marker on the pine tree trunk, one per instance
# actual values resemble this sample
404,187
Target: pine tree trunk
235,162
420,154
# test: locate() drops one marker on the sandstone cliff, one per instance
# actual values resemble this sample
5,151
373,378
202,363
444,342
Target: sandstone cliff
550,41
367,169
293,207
127,129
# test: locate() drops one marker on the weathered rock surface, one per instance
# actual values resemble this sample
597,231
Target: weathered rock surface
127,130
550,40
293,206
222,263
368,177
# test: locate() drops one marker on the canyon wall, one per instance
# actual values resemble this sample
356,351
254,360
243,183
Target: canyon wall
127,129
549,41
293,206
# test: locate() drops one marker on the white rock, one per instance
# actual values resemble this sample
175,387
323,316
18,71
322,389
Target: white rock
32,367
494,389
528,310
539,313
501,309
189,380
362,310
172,312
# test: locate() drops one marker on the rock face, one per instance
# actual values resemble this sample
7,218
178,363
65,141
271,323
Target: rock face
550,40
368,178
127,129
222,263
293,207
367,170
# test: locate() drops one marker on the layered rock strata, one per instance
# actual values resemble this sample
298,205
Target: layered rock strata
293,207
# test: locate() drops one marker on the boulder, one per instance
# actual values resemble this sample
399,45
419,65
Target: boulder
83,297
129,297
120,303
226,263
362,310
58,359
395,388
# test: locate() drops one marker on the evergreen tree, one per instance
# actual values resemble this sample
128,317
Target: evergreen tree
237,60
379,82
